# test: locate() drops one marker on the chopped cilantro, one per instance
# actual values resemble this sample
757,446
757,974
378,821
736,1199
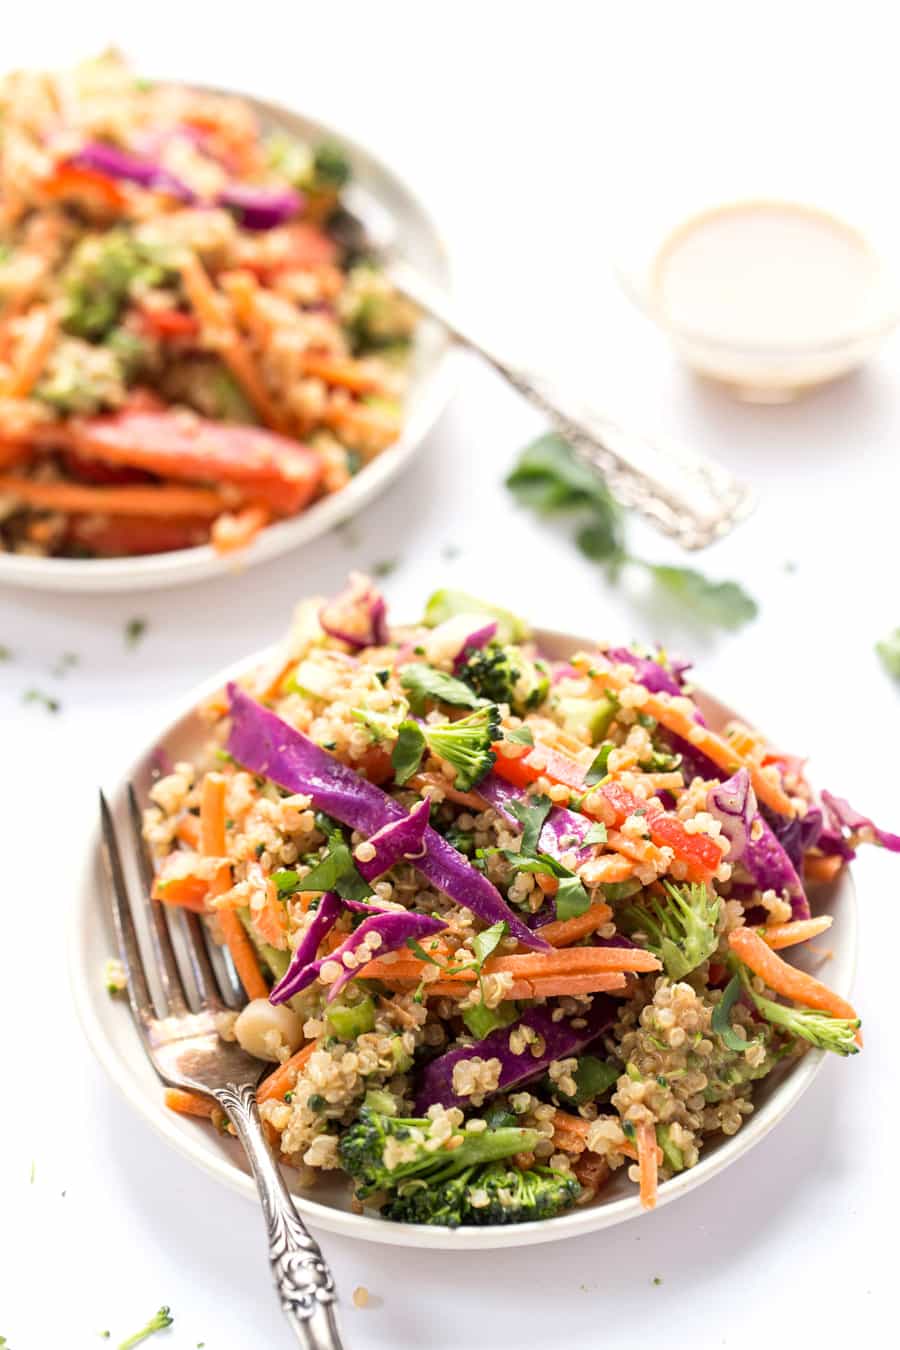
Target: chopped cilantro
486,942
531,812
550,478
286,880
52,705
406,755
337,872
571,898
657,1279
522,735
424,685
598,769
721,1018
134,631
596,833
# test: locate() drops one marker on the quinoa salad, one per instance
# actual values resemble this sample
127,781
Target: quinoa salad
192,344
505,924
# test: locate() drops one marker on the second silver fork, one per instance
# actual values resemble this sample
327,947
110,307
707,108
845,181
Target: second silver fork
186,1051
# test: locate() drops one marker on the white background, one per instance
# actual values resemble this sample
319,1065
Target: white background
529,128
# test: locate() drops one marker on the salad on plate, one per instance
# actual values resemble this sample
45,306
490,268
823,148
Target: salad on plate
506,924
188,350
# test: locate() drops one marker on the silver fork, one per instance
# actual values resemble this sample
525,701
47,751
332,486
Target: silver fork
683,494
186,1051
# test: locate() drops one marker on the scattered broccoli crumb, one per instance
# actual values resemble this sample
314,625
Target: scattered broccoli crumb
64,664
657,1279
134,631
114,976
385,567
5,653
52,705
162,1319
888,650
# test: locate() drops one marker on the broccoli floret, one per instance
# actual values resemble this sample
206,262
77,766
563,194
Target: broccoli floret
98,278
466,744
159,1322
682,932
381,1151
331,167
490,1194
506,675
821,1029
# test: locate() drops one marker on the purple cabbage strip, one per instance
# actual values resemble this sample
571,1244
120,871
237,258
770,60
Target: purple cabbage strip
263,743
754,845
394,928
479,638
771,868
733,804
562,831
324,919
115,163
842,815
357,614
795,834
402,840
651,674
261,208
560,1039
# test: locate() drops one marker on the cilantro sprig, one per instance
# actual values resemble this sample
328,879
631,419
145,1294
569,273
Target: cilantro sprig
550,479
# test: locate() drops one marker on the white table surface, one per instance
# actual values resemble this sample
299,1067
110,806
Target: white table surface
526,129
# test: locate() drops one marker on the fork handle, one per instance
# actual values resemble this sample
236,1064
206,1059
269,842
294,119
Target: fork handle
302,1278
683,494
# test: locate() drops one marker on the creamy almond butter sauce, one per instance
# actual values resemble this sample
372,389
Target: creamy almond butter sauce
768,275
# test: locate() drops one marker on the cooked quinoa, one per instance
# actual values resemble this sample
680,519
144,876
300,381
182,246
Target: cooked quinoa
517,927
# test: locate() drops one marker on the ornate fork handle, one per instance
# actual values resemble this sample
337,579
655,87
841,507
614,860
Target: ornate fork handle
302,1278
685,495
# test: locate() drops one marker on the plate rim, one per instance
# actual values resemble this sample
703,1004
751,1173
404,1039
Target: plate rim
185,566
193,1143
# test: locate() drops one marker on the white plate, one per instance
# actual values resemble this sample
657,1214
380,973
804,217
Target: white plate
108,1025
430,386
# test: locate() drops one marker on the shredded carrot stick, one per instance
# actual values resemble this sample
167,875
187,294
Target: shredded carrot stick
188,880
720,750
362,427
821,869
548,986
39,335
189,1103
785,979
188,830
284,1078
243,955
13,454
529,965
212,841
647,1162
570,1135
609,867
563,932
339,370
779,935
215,312
212,815
80,499
233,531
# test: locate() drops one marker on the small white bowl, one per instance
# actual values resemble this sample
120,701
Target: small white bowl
109,1028
430,387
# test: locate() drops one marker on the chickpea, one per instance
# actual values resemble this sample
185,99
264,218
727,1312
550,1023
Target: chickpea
263,1030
